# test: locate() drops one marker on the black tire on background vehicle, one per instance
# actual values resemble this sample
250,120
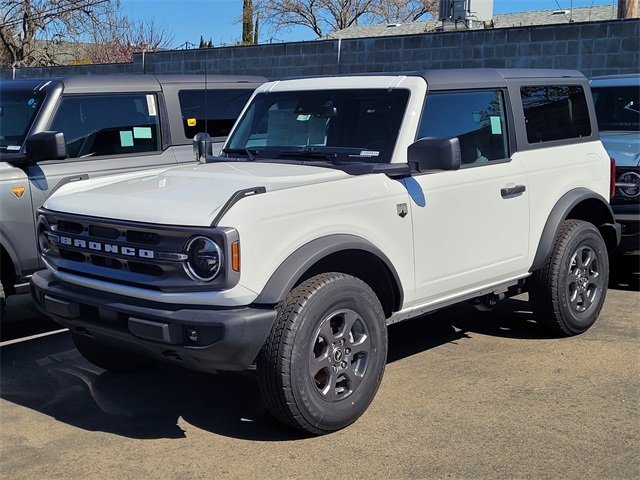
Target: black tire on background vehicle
3,302
109,358
324,359
568,292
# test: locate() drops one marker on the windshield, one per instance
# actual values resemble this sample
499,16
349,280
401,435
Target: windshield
617,108
333,125
18,109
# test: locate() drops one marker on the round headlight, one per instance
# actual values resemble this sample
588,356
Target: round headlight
204,259
44,244
628,184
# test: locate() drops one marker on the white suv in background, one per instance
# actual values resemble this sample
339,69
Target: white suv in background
617,102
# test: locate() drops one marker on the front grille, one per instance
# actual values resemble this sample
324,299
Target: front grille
627,186
103,232
148,256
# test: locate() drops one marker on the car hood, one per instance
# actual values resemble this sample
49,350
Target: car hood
189,195
624,147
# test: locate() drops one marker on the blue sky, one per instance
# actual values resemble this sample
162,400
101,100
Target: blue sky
218,19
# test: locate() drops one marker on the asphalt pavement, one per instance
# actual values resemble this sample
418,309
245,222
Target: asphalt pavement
466,394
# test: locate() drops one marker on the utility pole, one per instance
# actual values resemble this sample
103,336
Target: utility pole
247,22
627,8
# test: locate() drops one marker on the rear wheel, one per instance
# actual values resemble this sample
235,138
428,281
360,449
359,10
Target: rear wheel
108,357
324,359
568,292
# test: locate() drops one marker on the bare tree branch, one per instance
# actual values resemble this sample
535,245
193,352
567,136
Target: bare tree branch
52,32
326,16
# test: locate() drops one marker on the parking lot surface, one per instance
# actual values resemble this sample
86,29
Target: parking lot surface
466,394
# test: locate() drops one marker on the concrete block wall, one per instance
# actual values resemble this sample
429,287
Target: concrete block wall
594,48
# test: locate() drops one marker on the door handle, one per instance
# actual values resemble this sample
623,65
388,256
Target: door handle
511,191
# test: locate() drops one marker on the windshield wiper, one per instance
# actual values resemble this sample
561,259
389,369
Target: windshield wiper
630,106
309,153
246,151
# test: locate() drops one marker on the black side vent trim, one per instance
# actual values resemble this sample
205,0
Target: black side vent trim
235,198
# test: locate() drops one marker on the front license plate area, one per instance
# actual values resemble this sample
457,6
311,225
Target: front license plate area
61,308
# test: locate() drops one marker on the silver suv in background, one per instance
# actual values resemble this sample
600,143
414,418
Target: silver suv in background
57,130
617,102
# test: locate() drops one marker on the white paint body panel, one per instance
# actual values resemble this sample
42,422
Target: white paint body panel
460,235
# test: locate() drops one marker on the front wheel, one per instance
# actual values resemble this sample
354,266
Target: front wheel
568,292
324,359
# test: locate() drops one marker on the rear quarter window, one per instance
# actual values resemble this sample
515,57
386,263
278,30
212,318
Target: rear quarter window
211,111
555,112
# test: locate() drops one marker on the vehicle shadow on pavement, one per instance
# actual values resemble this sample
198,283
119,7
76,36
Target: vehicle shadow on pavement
624,273
48,375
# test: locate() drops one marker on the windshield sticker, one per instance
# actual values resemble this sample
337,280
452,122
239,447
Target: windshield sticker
151,105
13,147
31,101
191,122
126,139
142,132
368,153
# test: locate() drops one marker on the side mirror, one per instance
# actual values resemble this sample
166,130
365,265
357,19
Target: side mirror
202,147
433,153
46,146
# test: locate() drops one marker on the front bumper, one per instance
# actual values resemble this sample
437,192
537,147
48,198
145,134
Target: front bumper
204,339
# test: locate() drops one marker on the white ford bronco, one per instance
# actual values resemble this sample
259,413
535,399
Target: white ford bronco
339,206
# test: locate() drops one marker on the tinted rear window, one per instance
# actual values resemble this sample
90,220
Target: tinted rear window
211,111
555,112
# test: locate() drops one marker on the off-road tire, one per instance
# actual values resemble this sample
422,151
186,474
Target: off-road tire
324,360
568,292
109,358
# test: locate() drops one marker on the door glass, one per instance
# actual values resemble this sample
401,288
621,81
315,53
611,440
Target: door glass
476,118
96,125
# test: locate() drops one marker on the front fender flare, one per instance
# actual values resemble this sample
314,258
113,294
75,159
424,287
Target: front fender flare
287,275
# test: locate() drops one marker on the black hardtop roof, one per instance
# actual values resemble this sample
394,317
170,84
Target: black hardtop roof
447,79
466,78
120,83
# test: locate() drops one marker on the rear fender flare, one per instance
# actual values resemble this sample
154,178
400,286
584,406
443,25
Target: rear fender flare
562,211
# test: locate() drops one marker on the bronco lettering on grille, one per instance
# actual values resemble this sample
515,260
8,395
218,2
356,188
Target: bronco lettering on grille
107,247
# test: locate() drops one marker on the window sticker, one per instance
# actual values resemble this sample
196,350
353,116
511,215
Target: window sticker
151,105
142,132
366,153
126,138
496,126
191,122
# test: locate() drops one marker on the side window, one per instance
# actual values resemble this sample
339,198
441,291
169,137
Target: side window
96,125
211,111
555,112
476,118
